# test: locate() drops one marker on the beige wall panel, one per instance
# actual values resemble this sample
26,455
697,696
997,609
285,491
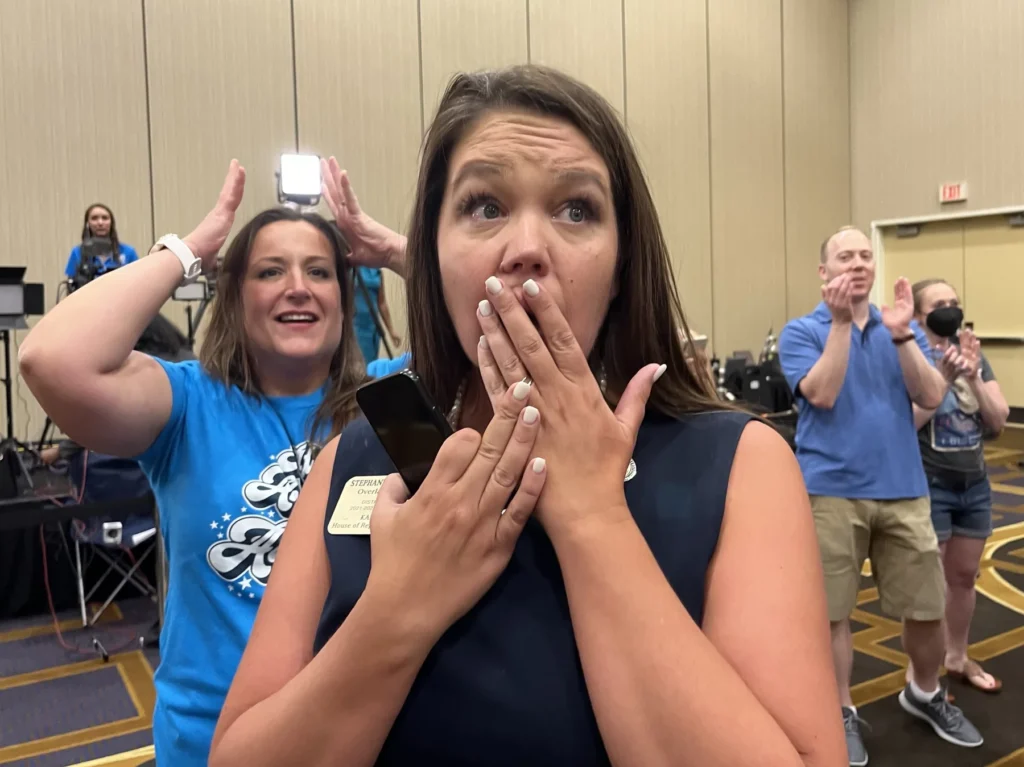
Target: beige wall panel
1007,361
937,252
993,276
667,107
466,36
747,215
936,97
358,82
221,86
816,101
582,38
73,127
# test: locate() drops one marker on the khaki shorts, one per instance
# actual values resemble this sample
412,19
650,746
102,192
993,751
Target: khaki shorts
900,540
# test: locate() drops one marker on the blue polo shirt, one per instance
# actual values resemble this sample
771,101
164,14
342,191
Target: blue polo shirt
866,445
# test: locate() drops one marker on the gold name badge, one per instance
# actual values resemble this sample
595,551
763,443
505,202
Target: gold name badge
352,512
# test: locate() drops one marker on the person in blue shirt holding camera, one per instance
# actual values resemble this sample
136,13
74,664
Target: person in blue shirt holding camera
99,227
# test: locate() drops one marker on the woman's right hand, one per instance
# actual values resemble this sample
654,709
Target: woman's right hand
951,363
434,555
206,240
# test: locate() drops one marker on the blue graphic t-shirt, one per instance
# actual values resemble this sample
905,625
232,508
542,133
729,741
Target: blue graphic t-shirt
226,471
952,441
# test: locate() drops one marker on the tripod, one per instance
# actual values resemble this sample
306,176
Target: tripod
10,448
194,322
374,311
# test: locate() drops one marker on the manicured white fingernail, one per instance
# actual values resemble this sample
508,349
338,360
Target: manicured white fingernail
483,342
531,288
530,414
521,391
538,465
485,308
659,372
493,285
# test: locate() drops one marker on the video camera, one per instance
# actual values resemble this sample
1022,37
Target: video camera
94,252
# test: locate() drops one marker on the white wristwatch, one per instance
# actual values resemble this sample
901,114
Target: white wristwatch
193,266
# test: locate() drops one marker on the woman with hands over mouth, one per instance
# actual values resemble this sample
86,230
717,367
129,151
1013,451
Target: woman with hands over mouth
226,441
604,565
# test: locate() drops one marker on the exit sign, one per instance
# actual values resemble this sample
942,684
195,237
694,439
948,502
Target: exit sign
953,192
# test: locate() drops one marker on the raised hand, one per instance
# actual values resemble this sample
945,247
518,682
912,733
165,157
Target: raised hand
836,295
372,244
970,350
952,364
898,316
206,240
435,554
587,446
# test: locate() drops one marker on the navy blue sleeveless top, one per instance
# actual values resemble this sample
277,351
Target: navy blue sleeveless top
504,685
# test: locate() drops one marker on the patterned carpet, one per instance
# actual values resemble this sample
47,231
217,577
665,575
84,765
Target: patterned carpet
61,707
997,641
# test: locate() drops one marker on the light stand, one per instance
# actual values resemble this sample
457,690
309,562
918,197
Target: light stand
357,280
298,184
202,292
17,301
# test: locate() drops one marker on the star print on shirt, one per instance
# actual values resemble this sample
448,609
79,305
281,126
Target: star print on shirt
246,541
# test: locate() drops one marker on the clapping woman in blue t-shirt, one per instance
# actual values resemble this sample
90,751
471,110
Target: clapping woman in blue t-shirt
226,441
102,247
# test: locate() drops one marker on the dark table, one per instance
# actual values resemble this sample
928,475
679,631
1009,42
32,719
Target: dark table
22,548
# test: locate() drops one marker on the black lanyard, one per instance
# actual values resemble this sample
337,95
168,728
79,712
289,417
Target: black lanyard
314,448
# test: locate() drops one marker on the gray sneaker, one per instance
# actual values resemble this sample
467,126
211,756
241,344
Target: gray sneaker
854,743
947,720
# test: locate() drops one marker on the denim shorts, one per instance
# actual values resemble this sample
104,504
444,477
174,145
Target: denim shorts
961,508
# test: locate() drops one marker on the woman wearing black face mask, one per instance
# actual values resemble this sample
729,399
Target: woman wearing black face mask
951,448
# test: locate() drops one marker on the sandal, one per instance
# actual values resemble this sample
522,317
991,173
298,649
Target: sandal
972,675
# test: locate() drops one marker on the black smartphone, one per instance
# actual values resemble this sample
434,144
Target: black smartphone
406,421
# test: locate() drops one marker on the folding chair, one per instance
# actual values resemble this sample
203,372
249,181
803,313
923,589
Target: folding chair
123,546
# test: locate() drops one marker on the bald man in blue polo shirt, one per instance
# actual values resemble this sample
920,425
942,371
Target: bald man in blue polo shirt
856,370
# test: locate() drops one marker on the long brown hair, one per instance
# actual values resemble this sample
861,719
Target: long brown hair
226,353
642,320
87,232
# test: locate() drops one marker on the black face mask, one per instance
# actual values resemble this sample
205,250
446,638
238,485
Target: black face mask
945,321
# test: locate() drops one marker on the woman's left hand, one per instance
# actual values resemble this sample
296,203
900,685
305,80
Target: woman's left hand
372,244
970,351
587,446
